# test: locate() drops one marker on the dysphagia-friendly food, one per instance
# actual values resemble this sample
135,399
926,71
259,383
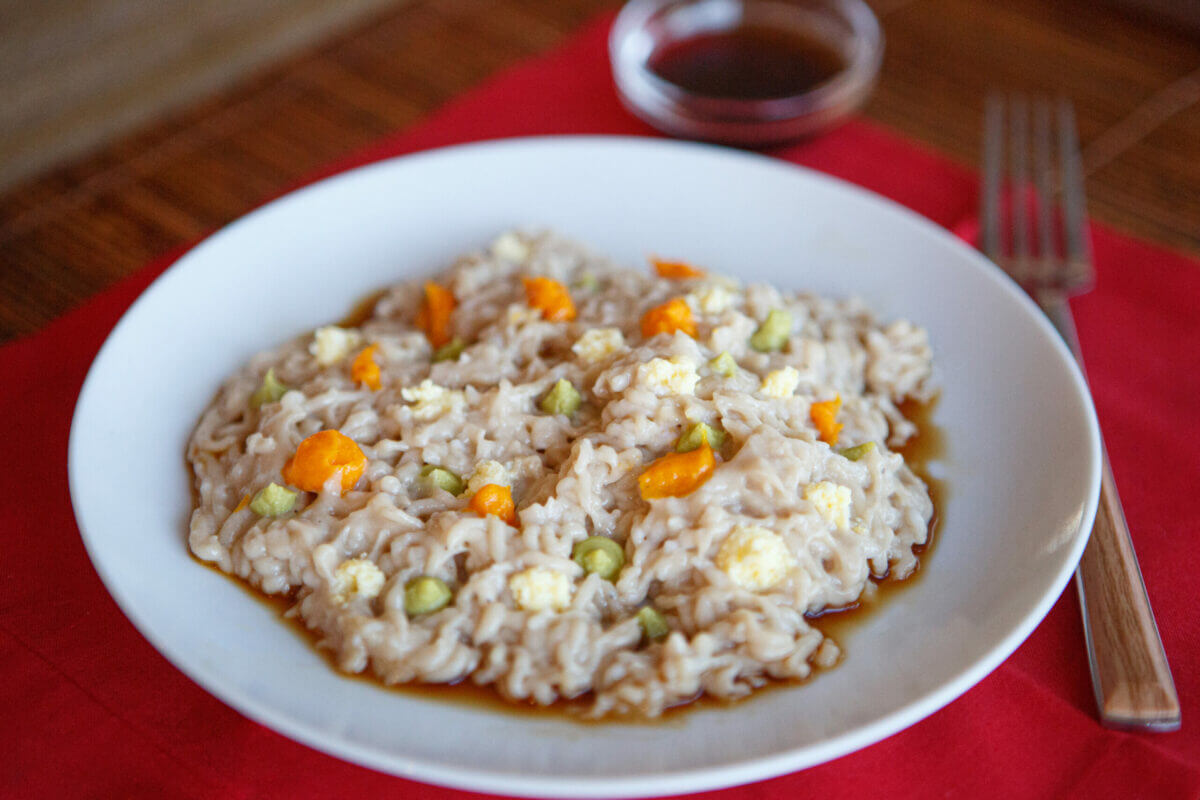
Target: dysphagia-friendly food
544,473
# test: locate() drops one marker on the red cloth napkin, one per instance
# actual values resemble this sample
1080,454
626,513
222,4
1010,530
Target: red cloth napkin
91,710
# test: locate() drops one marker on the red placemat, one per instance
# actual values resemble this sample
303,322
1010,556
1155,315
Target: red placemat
91,710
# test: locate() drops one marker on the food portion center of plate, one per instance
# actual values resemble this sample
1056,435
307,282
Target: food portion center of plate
545,473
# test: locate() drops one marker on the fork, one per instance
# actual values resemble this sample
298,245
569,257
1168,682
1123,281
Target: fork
1129,669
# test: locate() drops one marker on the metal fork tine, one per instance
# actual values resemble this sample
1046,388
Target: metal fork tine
1043,171
1078,253
993,175
1019,183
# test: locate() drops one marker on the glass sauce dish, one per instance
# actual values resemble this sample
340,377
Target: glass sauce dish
744,72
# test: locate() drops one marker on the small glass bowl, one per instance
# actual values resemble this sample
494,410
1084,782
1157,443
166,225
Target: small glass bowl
643,27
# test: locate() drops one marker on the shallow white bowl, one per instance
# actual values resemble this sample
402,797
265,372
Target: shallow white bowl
1021,467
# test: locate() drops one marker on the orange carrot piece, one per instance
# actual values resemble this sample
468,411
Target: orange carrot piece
434,316
673,315
495,500
824,416
320,457
550,297
677,474
245,501
675,269
365,370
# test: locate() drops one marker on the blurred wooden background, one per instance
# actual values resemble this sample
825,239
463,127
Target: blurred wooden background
244,120
79,72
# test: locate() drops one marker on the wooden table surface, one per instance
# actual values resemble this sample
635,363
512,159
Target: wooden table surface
69,233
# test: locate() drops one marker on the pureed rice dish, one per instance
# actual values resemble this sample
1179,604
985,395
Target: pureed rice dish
558,477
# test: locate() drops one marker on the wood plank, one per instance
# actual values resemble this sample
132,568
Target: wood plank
943,56
79,72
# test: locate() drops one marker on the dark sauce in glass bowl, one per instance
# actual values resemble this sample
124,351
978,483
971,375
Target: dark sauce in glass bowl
749,62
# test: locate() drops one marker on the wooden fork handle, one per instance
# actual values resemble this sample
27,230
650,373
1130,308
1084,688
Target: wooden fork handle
1130,673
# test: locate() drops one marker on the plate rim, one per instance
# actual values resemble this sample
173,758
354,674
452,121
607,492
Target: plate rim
587,786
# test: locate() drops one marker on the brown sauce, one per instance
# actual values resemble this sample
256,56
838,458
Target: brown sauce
750,62
927,446
362,310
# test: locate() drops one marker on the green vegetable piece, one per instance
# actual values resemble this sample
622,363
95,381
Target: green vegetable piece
273,501
700,434
269,391
450,351
858,451
599,555
562,399
724,364
773,333
654,624
425,594
442,478
587,282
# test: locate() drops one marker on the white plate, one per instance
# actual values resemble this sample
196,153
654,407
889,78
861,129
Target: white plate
1022,462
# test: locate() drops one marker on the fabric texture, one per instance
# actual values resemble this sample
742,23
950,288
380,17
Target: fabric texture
92,710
